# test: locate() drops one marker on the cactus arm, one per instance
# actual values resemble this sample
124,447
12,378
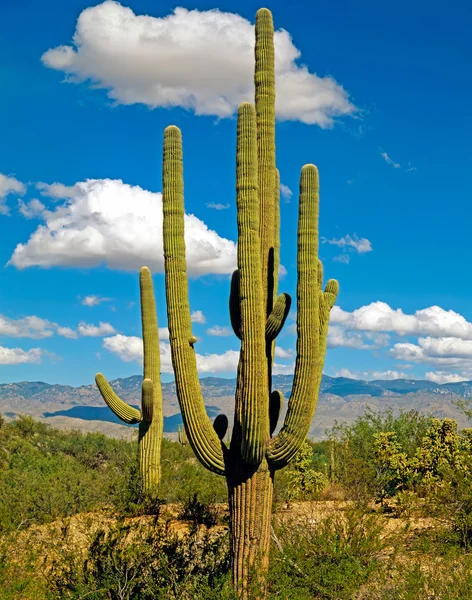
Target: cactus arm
235,305
264,83
275,320
220,425
152,358
313,308
252,388
201,435
123,411
277,317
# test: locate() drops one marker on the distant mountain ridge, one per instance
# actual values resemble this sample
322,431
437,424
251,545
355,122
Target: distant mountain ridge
341,400
219,386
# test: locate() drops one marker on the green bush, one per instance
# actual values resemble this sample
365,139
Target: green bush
328,559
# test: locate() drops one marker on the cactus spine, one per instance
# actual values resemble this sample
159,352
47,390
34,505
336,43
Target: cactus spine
150,417
257,316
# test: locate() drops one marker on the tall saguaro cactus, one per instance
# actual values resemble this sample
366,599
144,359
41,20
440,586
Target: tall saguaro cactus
150,417
257,316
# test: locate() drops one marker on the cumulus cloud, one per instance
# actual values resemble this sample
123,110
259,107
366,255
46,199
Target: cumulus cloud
94,300
56,191
198,317
17,356
89,330
109,222
360,245
454,352
279,369
444,377
284,353
67,332
32,209
9,185
30,327
130,349
389,161
372,375
339,337
163,333
198,60
378,316
219,331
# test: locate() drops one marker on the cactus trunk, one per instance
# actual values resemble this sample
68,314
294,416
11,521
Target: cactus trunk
255,452
250,492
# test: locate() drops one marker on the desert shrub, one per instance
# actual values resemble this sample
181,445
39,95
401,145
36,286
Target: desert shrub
306,475
40,480
198,513
304,481
359,462
146,562
328,559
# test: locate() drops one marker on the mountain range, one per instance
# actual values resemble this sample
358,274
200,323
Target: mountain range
341,400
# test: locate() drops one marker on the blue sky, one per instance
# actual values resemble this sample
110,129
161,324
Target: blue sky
386,118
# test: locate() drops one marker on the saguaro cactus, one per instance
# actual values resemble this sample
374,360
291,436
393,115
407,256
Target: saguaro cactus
150,416
257,316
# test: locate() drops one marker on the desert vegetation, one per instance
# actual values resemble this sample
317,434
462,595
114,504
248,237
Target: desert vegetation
380,510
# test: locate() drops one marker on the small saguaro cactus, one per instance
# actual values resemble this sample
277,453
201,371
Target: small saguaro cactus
150,417
257,316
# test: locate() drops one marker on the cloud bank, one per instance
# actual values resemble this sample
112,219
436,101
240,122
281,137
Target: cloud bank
198,60
104,221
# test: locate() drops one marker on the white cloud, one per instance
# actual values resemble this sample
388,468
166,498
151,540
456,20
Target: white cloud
446,347
198,60
198,317
284,353
443,377
279,369
342,258
218,331
286,192
217,206
378,316
130,349
372,375
163,333
28,327
360,245
16,356
56,191
89,330
94,300
218,363
32,209
338,337
110,222
389,161
9,185
66,332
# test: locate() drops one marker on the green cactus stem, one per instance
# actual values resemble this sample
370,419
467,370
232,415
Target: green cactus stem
255,451
182,435
150,417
